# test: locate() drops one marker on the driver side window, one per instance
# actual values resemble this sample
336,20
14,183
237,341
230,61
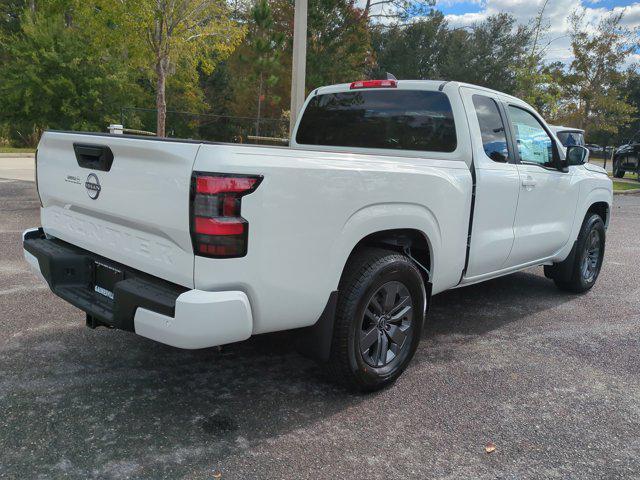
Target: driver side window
534,143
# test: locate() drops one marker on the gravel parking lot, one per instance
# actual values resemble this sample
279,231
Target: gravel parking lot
553,380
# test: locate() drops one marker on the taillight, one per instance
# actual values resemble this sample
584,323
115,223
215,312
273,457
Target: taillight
217,228
374,84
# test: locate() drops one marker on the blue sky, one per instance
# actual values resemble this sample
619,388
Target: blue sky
449,7
466,12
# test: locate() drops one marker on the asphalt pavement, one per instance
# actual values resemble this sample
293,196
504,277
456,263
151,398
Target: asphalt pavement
551,379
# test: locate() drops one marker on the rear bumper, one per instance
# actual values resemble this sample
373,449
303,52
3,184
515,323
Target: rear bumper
146,305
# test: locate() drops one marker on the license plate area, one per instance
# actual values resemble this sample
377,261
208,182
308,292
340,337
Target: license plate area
105,278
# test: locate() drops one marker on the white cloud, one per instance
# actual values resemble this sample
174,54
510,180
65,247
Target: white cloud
449,3
556,13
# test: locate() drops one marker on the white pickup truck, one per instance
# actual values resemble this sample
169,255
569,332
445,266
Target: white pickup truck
390,192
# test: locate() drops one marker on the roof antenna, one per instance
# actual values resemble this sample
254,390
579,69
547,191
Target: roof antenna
391,76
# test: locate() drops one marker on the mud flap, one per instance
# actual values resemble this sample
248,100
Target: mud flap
562,271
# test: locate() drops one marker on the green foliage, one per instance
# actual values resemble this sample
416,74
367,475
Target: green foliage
415,51
54,77
631,87
163,38
486,54
338,43
595,100
338,50
73,64
535,81
260,56
10,11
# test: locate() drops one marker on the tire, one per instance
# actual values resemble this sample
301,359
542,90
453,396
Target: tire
618,172
588,257
382,300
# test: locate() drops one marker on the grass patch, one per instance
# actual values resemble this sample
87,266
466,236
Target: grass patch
621,186
628,175
17,150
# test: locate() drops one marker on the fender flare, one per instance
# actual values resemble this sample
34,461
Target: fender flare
315,341
380,217
596,195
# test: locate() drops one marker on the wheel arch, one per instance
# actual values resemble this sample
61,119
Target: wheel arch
315,341
598,200
602,209
401,240
394,226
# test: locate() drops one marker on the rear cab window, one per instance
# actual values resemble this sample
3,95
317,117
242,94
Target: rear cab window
418,120
494,137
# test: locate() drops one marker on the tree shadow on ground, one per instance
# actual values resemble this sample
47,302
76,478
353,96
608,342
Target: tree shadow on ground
480,308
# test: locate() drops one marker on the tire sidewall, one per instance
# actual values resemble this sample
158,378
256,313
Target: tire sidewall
616,169
407,274
591,223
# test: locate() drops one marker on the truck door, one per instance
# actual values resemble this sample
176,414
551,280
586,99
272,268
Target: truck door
497,183
548,197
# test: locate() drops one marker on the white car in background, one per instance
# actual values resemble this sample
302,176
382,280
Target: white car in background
568,135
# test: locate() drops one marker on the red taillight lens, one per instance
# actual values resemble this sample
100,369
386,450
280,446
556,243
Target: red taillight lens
212,185
217,228
374,84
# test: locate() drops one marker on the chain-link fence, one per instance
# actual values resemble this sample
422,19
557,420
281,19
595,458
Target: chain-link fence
216,128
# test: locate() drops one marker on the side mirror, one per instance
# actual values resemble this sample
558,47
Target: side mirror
576,155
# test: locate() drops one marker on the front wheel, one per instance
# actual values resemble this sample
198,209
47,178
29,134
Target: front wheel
618,171
378,321
587,261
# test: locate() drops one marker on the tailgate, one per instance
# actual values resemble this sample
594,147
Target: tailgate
134,211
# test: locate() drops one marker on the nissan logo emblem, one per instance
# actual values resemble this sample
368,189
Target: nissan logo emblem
93,186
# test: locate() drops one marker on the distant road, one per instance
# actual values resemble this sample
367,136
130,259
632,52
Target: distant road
17,167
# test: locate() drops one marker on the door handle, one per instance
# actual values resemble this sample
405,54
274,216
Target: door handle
94,157
529,182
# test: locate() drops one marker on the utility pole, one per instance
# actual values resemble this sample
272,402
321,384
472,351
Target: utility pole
299,60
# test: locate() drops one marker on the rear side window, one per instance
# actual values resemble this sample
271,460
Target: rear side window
494,138
392,119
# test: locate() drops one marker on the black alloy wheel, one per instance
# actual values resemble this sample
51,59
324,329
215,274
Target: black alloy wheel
591,257
379,317
582,268
386,326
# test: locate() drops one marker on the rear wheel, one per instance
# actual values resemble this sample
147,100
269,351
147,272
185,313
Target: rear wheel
588,258
379,319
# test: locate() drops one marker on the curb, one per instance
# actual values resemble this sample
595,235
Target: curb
627,192
17,155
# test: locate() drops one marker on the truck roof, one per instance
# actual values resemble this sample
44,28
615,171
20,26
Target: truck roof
560,128
433,85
